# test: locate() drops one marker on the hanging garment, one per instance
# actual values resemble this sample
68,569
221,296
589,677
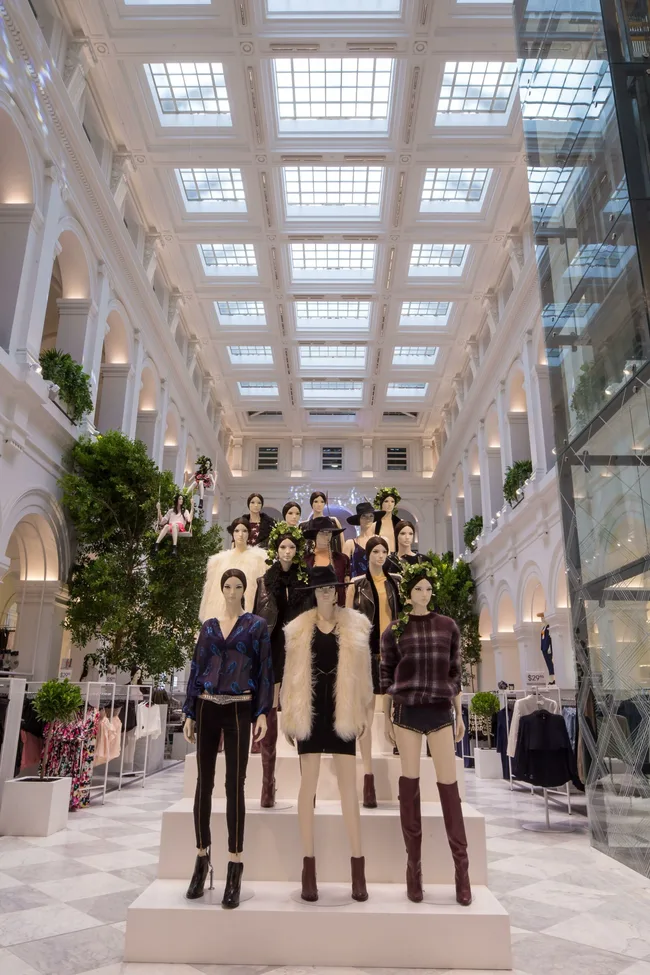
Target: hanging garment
148,717
503,723
72,753
546,645
544,755
526,705
109,736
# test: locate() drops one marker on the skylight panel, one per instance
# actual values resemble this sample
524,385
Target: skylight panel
260,389
246,313
256,355
407,390
333,93
212,189
328,8
413,312
317,389
230,259
438,259
476,92
448,190
333,191
546,185
564,89
352,261
332,315
333,356
415,355
189,92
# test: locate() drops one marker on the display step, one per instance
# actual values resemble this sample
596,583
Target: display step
386,769
274,927
272,843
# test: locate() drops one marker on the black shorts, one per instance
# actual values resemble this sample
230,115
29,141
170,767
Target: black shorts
423,718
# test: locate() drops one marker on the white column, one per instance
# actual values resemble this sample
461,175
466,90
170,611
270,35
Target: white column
455,527
459,390
486,500
78,60
133,405
159,441
179,474
504,429
367,461
446,419
428,465
150,257
296,457
467,487
121,163
112,411
236,458
474,357
491,306
515,245
539,447
77,318
206,390
193,346
174,311
18,223
93,355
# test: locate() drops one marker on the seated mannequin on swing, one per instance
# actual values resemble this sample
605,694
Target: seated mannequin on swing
202,479
325,695
177,520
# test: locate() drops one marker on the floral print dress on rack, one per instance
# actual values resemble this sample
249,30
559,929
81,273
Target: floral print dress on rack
72,753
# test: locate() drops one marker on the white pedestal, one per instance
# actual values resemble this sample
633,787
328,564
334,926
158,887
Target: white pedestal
386,769
31,807
272,843
275,928
487,763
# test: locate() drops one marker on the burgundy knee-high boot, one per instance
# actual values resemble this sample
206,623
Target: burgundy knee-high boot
411,819
452,813
269,743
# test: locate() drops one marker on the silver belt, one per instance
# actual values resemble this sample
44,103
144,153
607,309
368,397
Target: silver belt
225,698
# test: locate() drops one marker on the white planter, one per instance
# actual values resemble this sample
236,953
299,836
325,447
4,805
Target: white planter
34,808
487,763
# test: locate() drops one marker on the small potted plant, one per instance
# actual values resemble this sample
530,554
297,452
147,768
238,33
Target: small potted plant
472,530
38,805
483,706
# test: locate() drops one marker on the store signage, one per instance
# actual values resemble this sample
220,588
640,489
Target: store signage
536,678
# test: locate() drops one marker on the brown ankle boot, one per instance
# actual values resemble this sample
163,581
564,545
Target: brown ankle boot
309,889
411,819
269,742
452,813
358,867
369,797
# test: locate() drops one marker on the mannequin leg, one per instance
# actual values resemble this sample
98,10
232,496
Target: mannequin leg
346,776
164,531
365,746
174,538
441,745
208,732
410,745
236,740
269,743
309,771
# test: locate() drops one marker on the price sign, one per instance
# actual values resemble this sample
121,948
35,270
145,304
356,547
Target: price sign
536,678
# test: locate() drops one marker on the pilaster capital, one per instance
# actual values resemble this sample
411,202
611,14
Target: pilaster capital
79,54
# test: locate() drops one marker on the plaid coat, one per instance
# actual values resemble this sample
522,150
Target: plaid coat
423,664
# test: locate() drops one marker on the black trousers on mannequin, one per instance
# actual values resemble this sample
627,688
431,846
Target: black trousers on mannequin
235,722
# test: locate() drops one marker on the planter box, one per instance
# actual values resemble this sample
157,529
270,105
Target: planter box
34,808
488,763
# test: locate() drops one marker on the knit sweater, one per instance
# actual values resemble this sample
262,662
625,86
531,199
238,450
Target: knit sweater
422,665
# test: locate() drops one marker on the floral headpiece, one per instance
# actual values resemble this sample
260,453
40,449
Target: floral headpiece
413,574
279,532
204,464
387,492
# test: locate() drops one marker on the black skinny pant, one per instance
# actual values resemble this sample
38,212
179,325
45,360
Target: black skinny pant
235,722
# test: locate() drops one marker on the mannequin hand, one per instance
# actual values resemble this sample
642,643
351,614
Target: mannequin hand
460,728
260,728
292,741
189,731
389,732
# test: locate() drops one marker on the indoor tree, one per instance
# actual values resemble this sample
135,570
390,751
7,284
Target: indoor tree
134,610
454,596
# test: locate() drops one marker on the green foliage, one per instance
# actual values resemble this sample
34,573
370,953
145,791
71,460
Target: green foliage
74,384
56,700
472,530
454,596
484,704
387,492
280,531
516,476
139,609
589,391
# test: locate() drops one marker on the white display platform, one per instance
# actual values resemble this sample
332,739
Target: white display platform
272,843
274,927
386,769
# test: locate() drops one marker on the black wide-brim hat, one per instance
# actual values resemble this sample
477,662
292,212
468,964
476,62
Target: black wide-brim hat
365,508
322,524
321,576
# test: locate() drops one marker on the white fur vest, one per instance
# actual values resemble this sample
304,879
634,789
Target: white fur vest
252,563
353,687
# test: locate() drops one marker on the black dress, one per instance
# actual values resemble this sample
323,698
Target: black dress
323,738
277,635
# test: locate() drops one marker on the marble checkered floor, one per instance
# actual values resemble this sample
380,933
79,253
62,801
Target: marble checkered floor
63,899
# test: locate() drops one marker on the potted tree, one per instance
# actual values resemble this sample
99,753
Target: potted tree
483,706
38,805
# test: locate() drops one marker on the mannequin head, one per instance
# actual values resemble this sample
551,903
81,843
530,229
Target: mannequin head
323,541
286,553
388,504
239,531
365,523
233,587
326,598
291,513
255,503
405,532
178,503
318,500
377,552
417,590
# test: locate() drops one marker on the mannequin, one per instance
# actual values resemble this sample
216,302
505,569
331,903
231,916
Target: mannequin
355,548
202,479
321,532
376,595
291,514
405,535
420,675
318,504
251,561
259,524
280,598
325,696
387,500
230,686
176,519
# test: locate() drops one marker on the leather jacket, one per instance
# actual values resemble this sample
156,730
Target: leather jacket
265,599
364,599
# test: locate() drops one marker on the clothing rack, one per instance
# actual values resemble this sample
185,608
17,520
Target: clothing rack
145,694
504,697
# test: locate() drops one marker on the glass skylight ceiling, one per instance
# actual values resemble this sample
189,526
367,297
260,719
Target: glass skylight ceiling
260,389
406,390
340,8
546,185
318,389
249,313
333,356
189,93
476,93
425,313
447,260
564,89
333,191
212,189
415,355
332,315
257,355
454,190
229,259
333,261
333,94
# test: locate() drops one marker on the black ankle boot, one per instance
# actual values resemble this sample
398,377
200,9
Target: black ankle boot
197,883
233,885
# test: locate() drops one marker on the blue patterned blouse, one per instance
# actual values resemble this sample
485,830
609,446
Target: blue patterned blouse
238,664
